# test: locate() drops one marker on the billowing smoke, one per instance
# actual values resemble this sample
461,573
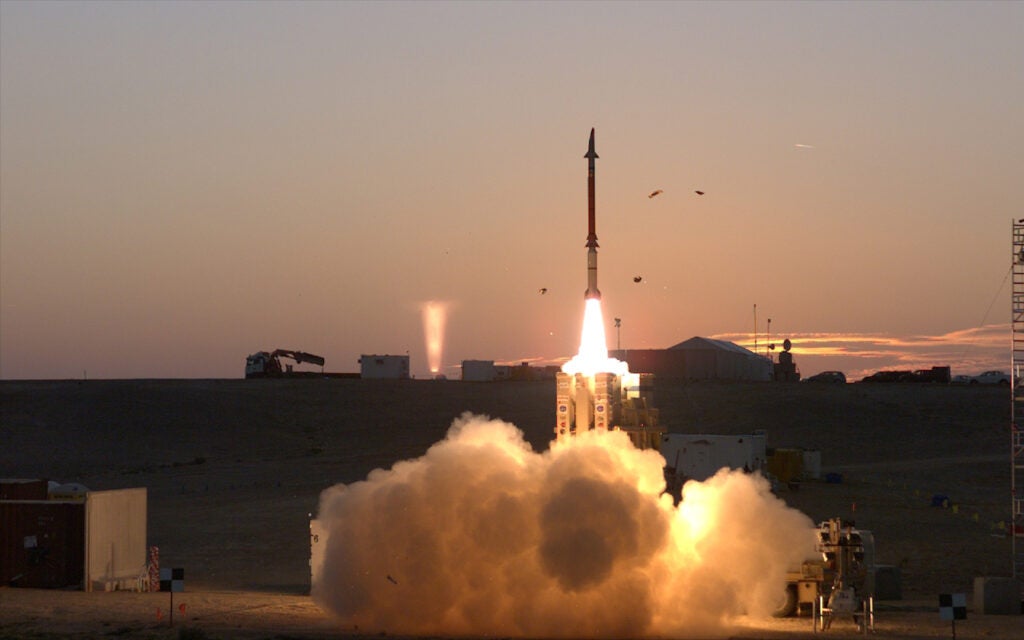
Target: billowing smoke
484,536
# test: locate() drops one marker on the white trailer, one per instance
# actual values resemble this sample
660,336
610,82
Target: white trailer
698,456
389,367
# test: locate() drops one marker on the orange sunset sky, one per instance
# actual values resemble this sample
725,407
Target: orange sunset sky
183,184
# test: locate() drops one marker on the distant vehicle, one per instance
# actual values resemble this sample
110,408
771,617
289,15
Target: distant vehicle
935,374
828,376
890,376
263,364
961,379
991,377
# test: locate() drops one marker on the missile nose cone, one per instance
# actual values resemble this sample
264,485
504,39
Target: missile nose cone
590,150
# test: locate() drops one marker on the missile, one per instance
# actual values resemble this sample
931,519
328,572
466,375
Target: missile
591,292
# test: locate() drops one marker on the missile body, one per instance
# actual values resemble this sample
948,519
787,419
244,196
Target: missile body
591,292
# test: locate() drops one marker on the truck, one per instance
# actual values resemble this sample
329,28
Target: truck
839,580
267,364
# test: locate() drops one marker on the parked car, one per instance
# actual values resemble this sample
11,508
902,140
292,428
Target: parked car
828,376
991,377
962,379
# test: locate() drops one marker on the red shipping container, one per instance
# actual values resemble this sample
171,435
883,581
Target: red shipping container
42,544
17,489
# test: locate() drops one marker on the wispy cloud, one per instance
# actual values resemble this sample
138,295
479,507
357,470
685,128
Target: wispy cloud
859,354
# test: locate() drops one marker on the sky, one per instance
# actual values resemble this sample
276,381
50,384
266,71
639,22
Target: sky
184,184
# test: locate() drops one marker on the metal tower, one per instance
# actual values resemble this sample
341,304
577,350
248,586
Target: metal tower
1017,411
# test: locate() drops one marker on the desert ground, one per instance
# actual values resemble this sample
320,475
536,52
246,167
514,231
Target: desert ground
234,468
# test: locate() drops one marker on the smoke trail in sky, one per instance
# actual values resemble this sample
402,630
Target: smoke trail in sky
434,316
484,536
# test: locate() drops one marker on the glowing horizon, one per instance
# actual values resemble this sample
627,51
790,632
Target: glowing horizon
966,351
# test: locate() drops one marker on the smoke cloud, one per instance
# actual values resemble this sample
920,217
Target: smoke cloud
484,536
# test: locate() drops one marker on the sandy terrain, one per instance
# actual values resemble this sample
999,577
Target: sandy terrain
234,468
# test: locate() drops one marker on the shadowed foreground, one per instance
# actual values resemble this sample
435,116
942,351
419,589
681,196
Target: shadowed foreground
234,467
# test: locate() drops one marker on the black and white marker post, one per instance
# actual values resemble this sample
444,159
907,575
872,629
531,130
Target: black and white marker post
172,580
953,607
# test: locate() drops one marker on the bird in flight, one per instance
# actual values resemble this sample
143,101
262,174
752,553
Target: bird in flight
543,290
655,193
638,278
699,193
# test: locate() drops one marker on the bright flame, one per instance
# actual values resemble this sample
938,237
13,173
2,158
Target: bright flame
593,355
434,315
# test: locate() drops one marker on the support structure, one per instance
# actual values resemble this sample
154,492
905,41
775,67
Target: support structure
1017,412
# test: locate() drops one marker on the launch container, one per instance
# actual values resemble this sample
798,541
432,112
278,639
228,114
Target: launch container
617,402
606,403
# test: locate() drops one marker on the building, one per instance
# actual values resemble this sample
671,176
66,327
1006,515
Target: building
487,371
384,367
478,371
699,359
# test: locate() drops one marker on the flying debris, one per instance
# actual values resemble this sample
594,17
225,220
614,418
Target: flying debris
803,146
638,278
392,580
543,290
699,193
655,193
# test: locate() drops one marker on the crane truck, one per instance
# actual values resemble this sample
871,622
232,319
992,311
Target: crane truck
264,364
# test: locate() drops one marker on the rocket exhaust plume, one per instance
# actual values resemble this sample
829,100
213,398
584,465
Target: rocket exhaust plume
482,536
434,315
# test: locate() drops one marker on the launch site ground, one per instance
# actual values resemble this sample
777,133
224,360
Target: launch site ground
234,468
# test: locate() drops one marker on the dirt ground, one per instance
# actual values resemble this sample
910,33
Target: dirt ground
234,468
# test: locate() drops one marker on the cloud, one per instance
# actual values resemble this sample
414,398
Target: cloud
484,536
858,354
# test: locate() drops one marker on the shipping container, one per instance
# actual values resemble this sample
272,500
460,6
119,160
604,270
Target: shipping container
98,542
21,489
42,543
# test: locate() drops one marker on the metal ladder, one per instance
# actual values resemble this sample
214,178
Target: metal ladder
1017,413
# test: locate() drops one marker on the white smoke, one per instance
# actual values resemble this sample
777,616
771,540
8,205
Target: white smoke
483,536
